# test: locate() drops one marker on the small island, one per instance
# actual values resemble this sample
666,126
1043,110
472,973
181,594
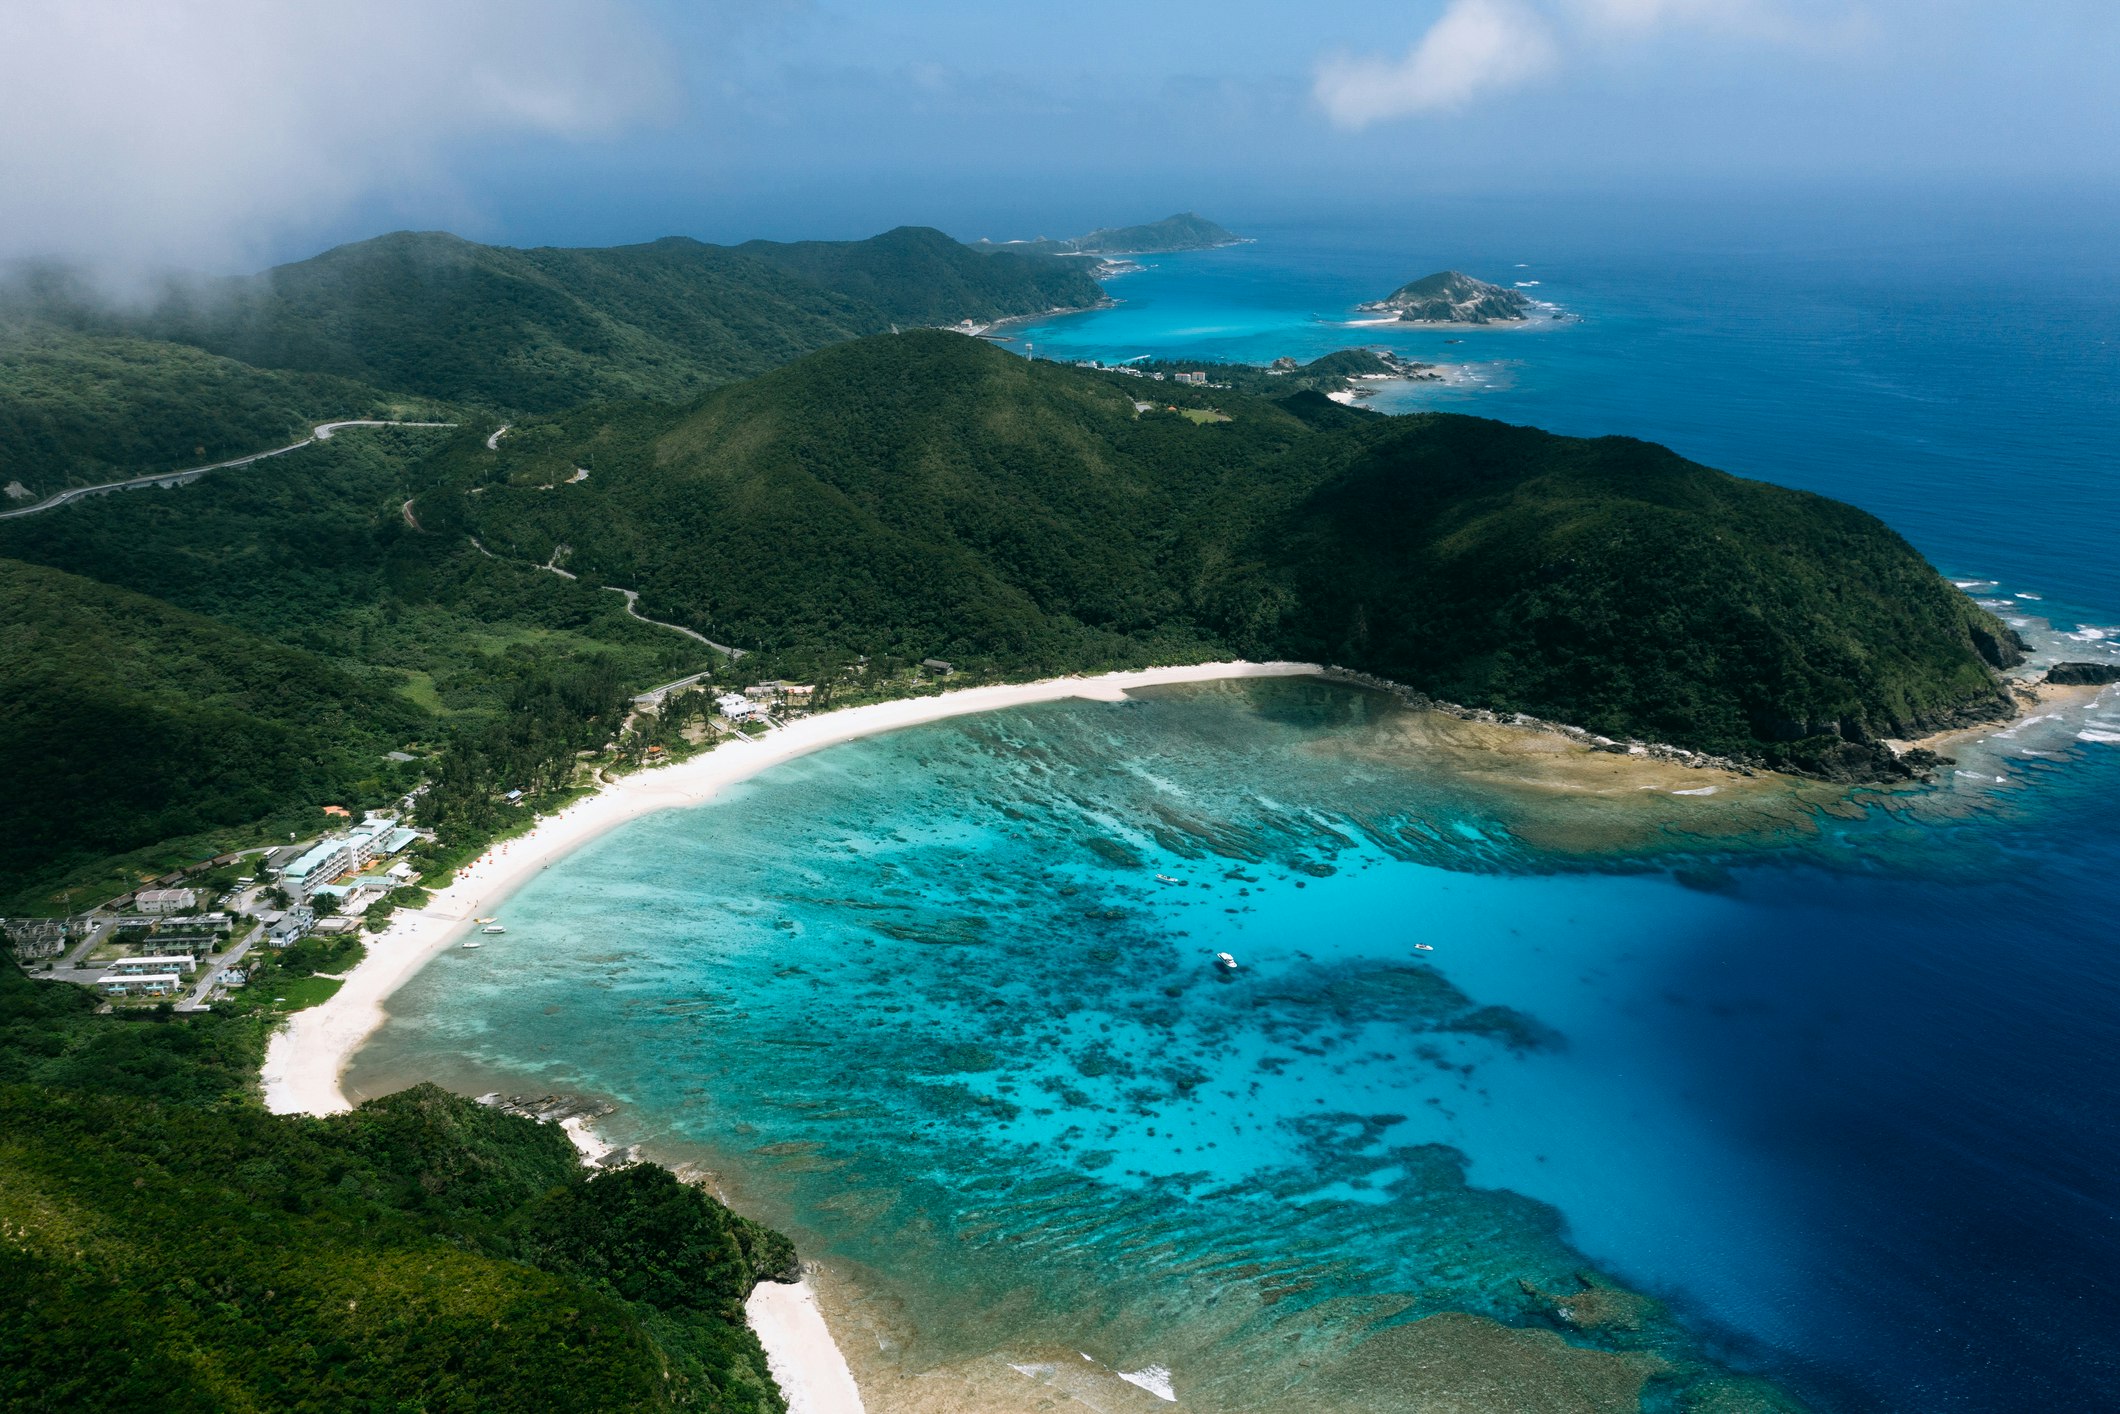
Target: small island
1184,231
1452,297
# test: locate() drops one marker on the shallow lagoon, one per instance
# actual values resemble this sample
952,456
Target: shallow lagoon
924,1000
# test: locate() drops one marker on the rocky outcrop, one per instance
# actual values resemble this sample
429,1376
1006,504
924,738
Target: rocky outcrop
2083,674
1452,297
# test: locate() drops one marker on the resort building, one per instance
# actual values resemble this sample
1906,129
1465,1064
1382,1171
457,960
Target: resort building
153,966
159,984
335,856
739,708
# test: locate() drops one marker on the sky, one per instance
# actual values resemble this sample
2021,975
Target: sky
222,134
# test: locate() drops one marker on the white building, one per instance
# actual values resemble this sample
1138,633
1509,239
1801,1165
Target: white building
165,900
158,984
739,708
336,856
153,966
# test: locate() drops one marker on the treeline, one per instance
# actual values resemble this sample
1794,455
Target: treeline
553,712
168,1245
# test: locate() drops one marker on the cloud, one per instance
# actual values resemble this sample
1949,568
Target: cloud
1478,46
143,133
1481,47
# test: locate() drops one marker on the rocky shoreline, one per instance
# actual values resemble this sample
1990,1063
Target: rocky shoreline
1873,762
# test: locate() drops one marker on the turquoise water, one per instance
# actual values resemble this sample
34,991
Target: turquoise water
1842,1099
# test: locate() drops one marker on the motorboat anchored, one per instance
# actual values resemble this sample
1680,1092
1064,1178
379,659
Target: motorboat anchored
493,928
1224,961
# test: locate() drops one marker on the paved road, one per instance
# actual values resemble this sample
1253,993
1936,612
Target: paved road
322,432
211,971
632,602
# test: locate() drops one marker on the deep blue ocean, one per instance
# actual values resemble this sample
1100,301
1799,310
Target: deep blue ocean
1845,1097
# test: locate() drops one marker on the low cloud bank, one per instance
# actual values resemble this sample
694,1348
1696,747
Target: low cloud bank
144,134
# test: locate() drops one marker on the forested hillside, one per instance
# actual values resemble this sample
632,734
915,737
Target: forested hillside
130,721
76,409
928,494
166,1244
544,329
244,650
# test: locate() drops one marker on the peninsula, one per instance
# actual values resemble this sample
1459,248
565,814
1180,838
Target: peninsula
1185,231
1451,297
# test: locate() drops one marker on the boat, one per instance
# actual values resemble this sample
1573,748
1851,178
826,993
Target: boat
472,943
1166,879
485,920
1224,961
493,928
1424,947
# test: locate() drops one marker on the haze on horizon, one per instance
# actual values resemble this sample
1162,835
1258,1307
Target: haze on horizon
230,133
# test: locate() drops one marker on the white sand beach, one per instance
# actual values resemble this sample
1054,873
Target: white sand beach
309,1055
805,1360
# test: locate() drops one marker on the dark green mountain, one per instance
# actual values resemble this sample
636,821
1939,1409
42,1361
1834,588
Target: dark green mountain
540,330
916,275
930,495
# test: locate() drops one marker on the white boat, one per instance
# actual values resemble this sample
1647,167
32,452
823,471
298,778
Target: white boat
485,920
1424,947
472,943
1166,879
1224,961
493,928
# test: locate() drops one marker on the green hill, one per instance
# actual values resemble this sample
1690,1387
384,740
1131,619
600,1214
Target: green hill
930,495
76,408
544,329
167,1245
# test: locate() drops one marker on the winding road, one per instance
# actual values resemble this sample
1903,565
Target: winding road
632,602
632,598
322,432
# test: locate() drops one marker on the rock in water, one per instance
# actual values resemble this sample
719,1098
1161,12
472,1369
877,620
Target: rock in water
2083,674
